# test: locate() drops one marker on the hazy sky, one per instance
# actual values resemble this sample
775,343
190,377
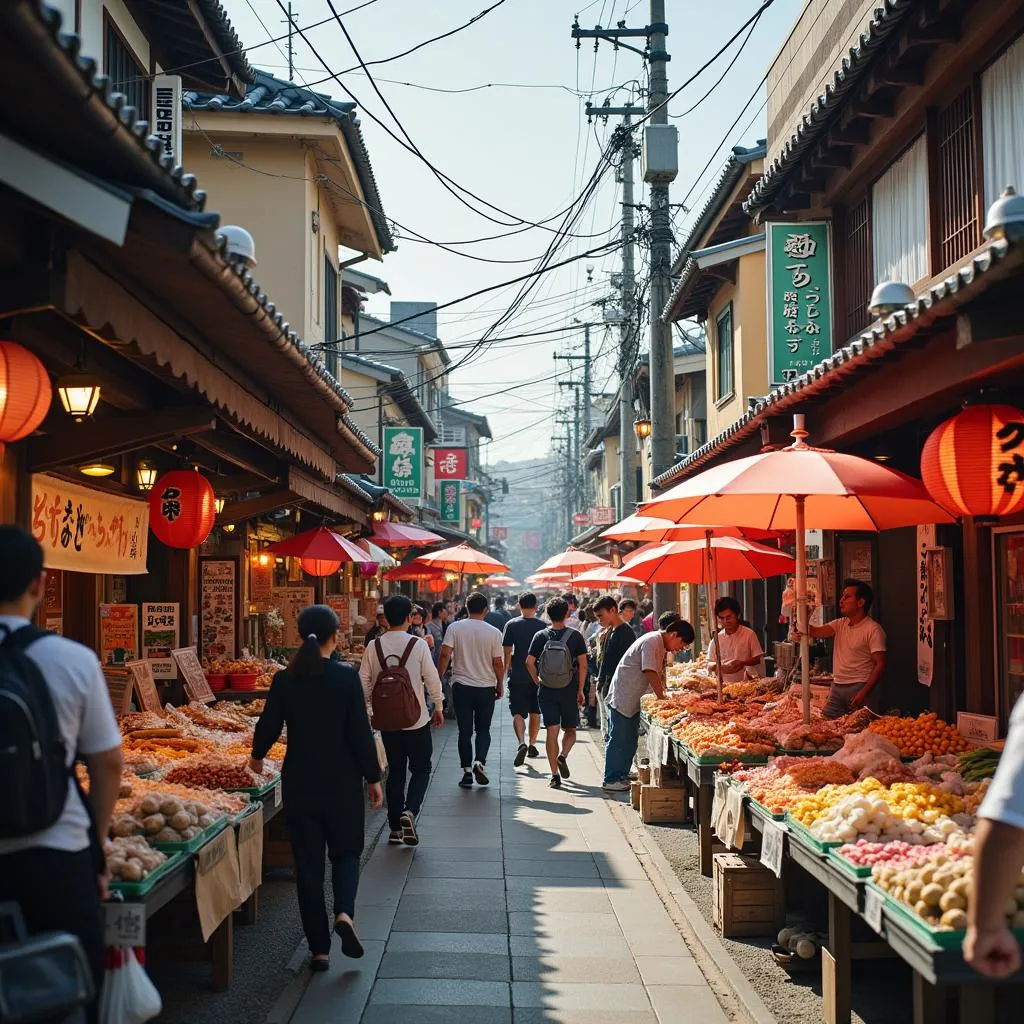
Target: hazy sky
522,144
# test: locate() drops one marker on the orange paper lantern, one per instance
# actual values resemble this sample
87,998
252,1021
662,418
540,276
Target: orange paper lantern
437,586
182,509
319,566
974,462
25,392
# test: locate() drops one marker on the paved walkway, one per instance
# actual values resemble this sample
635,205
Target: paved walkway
522,904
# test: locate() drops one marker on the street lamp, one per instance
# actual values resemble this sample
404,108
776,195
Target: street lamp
79,394
642,427
145,475
218,505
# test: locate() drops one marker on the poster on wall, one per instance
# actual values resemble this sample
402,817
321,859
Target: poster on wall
119,633
340,605
925,626
289,601
160,631
261,582
217,607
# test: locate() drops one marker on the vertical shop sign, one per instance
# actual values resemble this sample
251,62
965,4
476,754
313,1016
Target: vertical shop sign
450,501
451,463
290,601
403,461
160,635
799,298
119,633
217,607
261,581
925,625
339,604
53,602
166,115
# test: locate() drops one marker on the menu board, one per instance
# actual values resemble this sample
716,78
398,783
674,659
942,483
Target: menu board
119,686
339,603
119,633
217,607
196,685
261,582
290,601
145,684
160,636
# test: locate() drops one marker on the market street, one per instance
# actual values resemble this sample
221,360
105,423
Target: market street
522,904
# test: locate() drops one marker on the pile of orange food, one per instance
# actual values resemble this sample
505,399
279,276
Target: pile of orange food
926,734
779,784
723,739
215,771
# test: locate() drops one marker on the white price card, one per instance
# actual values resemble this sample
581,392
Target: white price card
124,924
277,795
873,903
773,839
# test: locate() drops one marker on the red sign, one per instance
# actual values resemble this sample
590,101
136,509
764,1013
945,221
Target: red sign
580,518
531,541
451,464
499,533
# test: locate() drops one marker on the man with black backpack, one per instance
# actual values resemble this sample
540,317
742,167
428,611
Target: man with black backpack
557,663
54,707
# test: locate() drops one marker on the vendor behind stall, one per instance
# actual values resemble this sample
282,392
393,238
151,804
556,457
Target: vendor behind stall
858,655
738,645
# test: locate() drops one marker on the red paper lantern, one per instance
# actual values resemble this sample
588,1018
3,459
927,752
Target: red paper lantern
25,392
437,586
319,566
974,462
182,509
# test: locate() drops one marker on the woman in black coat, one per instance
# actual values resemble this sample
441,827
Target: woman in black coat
330,752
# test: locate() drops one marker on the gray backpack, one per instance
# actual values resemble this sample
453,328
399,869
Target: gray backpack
555,664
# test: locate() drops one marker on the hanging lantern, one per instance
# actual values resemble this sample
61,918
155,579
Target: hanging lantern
79,394
319,566
437,586
974,462
145,475
24,392
368,568
181,509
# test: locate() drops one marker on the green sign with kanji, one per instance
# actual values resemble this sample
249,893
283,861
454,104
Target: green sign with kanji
450,500
799,298
403,461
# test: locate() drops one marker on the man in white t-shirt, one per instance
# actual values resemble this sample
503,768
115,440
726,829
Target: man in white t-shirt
858,655
408,749
57,876
473,647
738,646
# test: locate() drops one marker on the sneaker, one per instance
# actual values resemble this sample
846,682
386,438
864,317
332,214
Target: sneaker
563,766
408,833
467,779
520,755
622,786
480,775
533,751
555,783
395,839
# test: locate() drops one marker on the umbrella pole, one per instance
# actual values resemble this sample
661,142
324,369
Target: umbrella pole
801,606
712,620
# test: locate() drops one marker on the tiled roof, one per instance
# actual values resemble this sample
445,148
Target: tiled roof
874,344
270,95
885,19
220,24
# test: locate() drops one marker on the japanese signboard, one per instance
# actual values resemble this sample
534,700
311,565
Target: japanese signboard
499,533
145,684
450,500
602,515
166,114
290,601
799,298
261,581
160,637
403,461
217,607
196,684
451,463
119,633
88,531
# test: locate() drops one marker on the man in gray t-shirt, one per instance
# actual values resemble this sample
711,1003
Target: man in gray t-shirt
642,669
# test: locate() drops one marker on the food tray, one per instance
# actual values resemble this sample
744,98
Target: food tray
715,759
806,836
857,871
199,841
257,791
133,889
785,752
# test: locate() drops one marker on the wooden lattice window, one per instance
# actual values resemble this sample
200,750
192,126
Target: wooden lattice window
126,74
857,266
957,213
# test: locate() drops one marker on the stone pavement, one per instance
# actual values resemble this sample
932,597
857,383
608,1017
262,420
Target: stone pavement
522,904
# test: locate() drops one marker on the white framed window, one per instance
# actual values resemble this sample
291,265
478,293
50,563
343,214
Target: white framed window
1002,122
724,356
899,218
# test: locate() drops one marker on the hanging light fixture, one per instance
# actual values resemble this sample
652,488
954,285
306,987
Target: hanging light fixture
642,428
218,505
97,469
228,527
379,516
79,394
145,475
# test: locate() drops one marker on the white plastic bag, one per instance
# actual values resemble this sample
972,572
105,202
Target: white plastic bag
128,996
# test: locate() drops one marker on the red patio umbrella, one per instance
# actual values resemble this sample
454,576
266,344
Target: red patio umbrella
411,572
657,529
461,559
601,576
320,543
570,563
402,535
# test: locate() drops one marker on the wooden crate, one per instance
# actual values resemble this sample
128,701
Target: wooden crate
644,774
747,898
659,805
634,795
666,776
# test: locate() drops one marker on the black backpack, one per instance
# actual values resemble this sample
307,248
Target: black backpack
32,752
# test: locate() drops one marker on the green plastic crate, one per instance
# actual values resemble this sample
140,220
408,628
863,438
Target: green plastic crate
136,889
199,841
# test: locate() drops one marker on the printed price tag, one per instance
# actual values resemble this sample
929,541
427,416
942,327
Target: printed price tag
773,840
873,903
213,853
277,795
249,827
124,924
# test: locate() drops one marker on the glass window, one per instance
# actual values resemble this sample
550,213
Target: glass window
126,74
1009,619
724,354
331,313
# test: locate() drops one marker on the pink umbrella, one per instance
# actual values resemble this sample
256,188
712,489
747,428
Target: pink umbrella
601,576
570,563
402,535
653,528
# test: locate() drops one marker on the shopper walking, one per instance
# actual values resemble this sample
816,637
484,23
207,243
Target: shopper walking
410,749
435,629
522,690
52,865
498,616
473,647
641,670
557,663
330,753
619,640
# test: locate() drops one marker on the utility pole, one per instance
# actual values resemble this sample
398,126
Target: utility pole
627,440
587,395
290,20
577,446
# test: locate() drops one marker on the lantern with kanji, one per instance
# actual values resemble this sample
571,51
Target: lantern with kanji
437,586
25,392
974,462
319,566
182,509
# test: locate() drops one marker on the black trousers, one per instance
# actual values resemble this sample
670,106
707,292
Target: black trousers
409,752
474,709
312,833
57,892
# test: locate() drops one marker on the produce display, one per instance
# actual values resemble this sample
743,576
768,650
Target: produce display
250,709
980,763
263,669
926,734
782,782
804,943
218,800
163,818
723,739
215,771
131,858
